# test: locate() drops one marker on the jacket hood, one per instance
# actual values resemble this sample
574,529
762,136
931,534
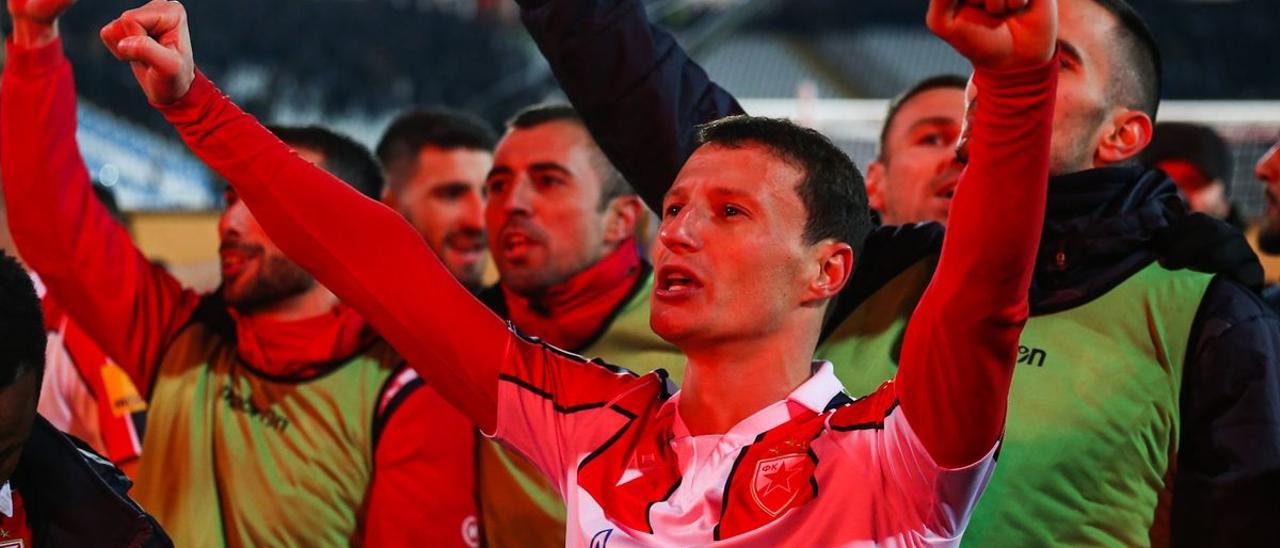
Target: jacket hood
1102,225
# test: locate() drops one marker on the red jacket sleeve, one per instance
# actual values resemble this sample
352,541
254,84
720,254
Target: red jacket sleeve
361,250
129,307
423,476
960,346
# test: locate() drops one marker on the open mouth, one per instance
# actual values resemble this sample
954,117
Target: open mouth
233,262
676,281
516,244
947,189
467,248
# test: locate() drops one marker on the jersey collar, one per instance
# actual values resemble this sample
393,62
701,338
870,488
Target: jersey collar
813,395
6,500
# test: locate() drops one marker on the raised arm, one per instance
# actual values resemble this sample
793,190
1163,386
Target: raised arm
635,87
960,347
360,249
128,306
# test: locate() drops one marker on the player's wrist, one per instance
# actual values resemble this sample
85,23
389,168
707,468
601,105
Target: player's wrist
30,33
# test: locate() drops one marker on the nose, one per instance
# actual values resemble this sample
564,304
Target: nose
232,219
473,211
680,233
519,198
1268,168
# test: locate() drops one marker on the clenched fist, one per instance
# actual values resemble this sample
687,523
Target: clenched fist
155,41
997,34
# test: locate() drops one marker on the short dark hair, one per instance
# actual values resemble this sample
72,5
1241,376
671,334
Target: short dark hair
416,129
1138,70
343,156
941,81
832,189
22,332
613,184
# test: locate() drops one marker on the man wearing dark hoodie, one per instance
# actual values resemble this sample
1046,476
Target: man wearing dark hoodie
276,415
1147,406
53,492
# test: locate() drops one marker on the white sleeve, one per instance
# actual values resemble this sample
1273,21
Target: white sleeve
65,400
938,501
555,407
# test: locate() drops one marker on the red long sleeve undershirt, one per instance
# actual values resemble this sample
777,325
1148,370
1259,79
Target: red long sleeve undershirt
961,344
958,359
133,309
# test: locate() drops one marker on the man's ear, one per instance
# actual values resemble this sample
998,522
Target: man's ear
389,197
875,186
835,267
1128,133
621,216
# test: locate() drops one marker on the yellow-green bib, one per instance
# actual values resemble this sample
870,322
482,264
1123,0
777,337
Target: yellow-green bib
1092,430
233,457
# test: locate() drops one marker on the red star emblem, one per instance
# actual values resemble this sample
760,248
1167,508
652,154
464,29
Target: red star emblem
778,481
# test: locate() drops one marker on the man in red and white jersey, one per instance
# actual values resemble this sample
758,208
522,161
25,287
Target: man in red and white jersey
760,230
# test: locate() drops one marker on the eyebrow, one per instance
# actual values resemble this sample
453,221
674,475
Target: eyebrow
499,170
749,198
938,120
450,185
539,166
550,166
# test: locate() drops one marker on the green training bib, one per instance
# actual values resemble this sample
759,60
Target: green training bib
1092,430
234,457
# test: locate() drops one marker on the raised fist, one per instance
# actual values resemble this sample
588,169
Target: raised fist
997,34
155,41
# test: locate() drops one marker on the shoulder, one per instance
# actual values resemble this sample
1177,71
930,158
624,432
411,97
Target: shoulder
867,413
888,252
1231,309
1235,335
574,383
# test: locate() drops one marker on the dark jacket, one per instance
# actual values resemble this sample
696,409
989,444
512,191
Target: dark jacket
1102,226
74,497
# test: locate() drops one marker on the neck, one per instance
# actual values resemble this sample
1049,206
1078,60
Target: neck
570,313
729,381
310,303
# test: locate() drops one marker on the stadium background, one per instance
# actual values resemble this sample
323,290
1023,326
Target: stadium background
352,64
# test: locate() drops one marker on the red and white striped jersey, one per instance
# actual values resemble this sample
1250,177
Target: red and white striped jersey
814,469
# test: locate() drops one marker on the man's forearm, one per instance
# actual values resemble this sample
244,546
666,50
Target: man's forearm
957,359
639,93
129,307
360,249
33,34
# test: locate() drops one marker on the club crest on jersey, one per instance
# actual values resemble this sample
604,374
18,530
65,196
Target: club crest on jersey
778,481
